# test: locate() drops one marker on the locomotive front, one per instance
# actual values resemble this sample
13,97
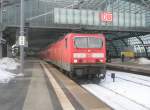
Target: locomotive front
88,55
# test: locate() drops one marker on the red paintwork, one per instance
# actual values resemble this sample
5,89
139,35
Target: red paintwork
58,53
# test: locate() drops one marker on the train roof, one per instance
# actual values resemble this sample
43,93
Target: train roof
70,34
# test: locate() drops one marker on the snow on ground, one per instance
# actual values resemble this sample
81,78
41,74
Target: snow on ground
140,79
128,92
7,64
143,61
116,101
6,76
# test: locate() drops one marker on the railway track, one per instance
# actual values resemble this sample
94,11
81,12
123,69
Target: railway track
113,99
133,80
77,95
119,97
128,92
124,96
129,74
132,69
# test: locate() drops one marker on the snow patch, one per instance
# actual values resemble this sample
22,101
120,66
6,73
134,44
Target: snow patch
116,101
20,74
128,92
7,64
6,76
143,61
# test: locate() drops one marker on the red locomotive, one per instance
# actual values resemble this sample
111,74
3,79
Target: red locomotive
79,54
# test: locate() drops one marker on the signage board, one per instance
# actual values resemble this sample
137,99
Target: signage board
21,40
106,16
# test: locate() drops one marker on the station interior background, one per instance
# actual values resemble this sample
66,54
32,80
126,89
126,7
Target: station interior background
48,20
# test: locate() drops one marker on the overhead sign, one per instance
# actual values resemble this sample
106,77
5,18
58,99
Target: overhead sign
106,16
22,40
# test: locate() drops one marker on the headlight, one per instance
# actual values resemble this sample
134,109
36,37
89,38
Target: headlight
75,60
101,60
79,55
98,55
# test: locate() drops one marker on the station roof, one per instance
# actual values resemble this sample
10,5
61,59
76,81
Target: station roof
86,4
118,36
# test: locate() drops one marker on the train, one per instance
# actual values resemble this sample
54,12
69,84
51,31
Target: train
78,54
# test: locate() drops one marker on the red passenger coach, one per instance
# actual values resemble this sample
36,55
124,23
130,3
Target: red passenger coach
79,54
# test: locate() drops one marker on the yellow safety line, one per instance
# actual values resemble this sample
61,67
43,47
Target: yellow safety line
64,101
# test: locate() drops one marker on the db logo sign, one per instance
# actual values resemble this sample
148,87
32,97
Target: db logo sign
106,16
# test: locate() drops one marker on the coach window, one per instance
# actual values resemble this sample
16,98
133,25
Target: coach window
65,43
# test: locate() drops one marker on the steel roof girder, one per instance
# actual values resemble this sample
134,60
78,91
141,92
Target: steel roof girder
143,45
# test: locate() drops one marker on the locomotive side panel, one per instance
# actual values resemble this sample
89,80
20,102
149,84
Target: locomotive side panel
66,54
59,53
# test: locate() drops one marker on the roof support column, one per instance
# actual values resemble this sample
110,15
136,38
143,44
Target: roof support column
114,48
1,30
22,35
143,45
124,42
1,50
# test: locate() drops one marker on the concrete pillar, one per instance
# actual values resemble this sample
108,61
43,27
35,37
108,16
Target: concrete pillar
1,34
1,51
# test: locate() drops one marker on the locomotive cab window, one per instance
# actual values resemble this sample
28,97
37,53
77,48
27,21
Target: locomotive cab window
88,42
66,43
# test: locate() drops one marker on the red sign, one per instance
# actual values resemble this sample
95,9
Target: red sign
106,16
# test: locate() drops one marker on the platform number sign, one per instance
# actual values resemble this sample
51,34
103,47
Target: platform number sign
21,40
106,16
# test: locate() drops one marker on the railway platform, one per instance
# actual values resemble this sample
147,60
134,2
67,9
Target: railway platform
129,66
43,87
